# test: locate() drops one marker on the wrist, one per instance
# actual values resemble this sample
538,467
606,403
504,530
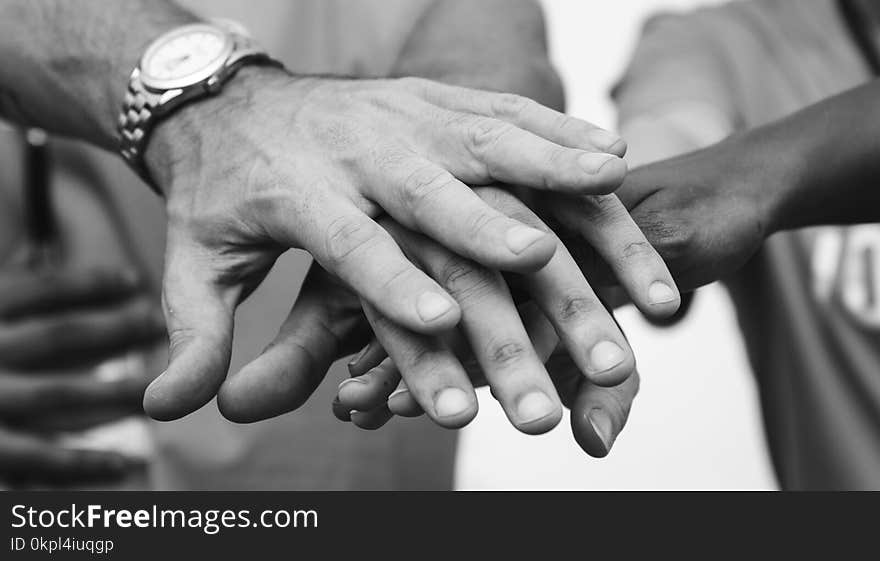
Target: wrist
770,173
184,140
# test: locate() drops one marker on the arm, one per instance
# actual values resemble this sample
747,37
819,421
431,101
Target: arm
278,161
821,164
66,64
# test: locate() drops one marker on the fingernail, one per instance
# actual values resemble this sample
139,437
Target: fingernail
349,381
534,407
601,423
606,355
451,402
661,293
398,391
520,238
592,163
605,140
357,358
432,306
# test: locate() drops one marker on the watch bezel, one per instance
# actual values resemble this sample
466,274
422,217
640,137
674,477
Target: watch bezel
210,69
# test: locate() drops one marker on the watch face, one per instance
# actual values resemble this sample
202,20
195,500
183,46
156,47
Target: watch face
185,56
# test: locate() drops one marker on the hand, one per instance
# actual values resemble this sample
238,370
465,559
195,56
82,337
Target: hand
54,327
278,161
706,213
599,413
293,365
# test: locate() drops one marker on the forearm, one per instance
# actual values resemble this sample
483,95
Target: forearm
498,45
66,64
824,162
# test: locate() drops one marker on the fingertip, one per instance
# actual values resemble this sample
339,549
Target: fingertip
371,420
363,393
585,434
537,413
340,411
607,142
454,408
610,363
611,174
437,312
534,256
403,404
159,403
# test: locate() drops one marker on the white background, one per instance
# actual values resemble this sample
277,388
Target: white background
696,423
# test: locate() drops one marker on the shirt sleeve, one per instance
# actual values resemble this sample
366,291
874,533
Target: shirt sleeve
678,62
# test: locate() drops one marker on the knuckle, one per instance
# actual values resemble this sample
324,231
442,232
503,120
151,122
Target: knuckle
603,209
576,305
638,250
423,184
671,238
465,280
347,235
485,134
510,106
506,352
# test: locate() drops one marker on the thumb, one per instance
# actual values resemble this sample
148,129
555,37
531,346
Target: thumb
199,313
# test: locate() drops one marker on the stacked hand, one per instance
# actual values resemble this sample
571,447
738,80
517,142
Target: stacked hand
377,180
279,161
706,213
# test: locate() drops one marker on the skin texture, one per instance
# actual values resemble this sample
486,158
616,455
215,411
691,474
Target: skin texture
562,317
317,333
278,161
709,211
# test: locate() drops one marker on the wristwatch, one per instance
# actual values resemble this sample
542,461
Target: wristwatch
185,64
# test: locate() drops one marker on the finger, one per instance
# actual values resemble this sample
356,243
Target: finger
199,315
604,223
402,403
24,458
585,327
325,323
435,377
368,357
370,390
490,150
540,331
529,115
23,398
495,332
27,293
340,411
372,420
425,197
78,336
599,414
353,247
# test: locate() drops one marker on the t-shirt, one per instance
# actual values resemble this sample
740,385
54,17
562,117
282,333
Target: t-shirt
308,449
809,303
